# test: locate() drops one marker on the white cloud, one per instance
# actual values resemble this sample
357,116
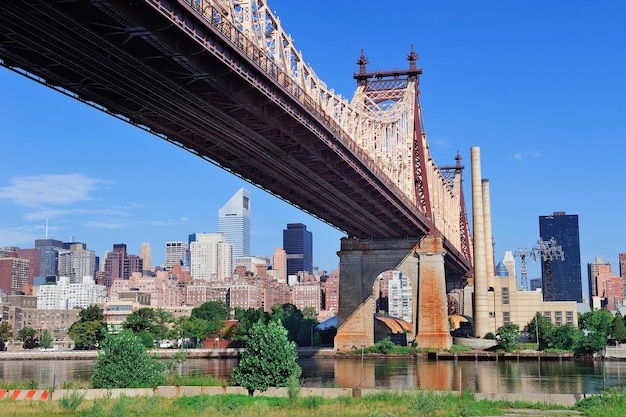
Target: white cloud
18,236
52,214
103,225
521,156
36,191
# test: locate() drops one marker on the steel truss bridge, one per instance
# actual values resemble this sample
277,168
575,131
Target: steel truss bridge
221,79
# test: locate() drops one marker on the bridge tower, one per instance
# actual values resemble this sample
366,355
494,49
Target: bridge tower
523,253
392,135
548,250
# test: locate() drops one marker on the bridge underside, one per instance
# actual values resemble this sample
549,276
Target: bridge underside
158,65
421,260
201,93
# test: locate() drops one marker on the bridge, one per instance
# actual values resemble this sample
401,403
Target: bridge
222,80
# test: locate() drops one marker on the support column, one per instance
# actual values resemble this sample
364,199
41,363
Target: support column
481,308
360,263
433,327
489,258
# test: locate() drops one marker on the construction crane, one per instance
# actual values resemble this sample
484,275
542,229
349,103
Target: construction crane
548,250
522,253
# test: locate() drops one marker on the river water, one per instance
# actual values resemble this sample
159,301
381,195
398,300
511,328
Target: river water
511,376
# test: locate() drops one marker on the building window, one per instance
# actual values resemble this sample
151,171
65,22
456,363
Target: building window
558,318
506,317
548,315
569,318
505,295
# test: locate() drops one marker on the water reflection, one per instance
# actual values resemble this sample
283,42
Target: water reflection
397,374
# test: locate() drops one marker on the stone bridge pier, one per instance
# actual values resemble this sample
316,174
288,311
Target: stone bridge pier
361,261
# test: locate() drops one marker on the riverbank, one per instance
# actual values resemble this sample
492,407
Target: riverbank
35,354
309,352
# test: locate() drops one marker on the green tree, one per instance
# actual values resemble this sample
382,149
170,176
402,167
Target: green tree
6,334
245,320
212,311
45,341
595,327
269,359
183,329
618,329
539,326
90,329
309,313
91,313
87,334
563,337
508,336
163,321
124,362
292,319
142,323
27,335
140,320
596,321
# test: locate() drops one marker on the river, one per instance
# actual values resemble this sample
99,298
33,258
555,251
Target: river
511,376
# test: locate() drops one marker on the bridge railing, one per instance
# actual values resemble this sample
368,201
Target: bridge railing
313,96
257,34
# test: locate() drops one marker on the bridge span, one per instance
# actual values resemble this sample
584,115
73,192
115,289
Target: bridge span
222,80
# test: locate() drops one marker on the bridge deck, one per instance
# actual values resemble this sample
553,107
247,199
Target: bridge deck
204,90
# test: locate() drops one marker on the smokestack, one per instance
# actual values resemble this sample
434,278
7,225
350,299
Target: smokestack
490,264
481,308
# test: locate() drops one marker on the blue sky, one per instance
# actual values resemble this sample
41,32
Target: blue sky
538,86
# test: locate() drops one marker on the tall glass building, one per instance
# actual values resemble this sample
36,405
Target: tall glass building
298,245
566,273
49,256
234,222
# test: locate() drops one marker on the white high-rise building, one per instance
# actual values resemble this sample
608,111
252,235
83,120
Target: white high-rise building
211,257
175,253
400,297
65,295
234,222
251,262
509,263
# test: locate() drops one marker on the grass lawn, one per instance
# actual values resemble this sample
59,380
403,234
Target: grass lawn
387,404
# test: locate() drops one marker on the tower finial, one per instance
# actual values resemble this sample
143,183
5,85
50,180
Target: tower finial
412,57
362,62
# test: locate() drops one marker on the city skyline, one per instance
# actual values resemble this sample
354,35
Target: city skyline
536,86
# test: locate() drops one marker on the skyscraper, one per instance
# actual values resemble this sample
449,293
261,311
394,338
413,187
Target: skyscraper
76,262
145,253
49,250
120,265
175,253
566,273
593,268
234,222
298,245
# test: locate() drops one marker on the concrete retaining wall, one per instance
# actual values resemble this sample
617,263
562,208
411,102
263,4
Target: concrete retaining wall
177,391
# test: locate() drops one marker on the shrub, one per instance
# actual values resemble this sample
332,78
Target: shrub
269,359
125,363
385,346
